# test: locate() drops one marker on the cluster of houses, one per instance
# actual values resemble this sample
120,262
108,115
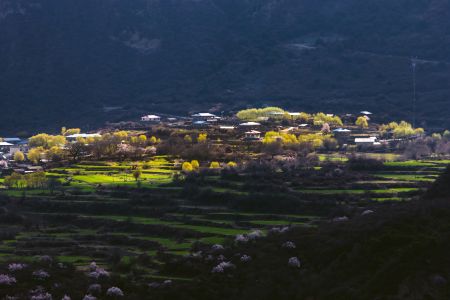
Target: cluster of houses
251,131
9,147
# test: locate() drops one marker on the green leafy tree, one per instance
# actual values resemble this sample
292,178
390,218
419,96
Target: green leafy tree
202,138
142,140
55,153
46,141
153,140
214,165
195,164
187,167
35,155
362,122
320,118
70,131
188,139
231,164
19,156
255,114
137,173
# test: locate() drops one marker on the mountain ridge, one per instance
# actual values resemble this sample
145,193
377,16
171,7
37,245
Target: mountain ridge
76,57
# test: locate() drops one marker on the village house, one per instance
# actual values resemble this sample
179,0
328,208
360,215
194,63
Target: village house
342,135
365,112
18,144
13,140
200,124
294,114
367,142
249,125
5,147
75,137
252,135
204,117
226,128
27,169
151,118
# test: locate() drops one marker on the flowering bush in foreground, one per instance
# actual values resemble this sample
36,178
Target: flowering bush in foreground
41,274
14,267
255,235
42,296
288,245
114,292
96,272
222,267
7,280
217,247
95,289
240,238
294,262
246,258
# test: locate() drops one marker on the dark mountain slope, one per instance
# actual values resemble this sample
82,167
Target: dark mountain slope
78,56
398,252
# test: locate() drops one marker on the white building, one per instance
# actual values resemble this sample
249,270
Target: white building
252,135
365,112
151,118
207,117
250,124
204,115
5,147
224,127
367,141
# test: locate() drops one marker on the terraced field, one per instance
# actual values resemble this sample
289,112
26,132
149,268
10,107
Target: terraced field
101,213
399,180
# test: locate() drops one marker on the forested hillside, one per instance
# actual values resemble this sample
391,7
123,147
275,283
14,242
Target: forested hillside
80,61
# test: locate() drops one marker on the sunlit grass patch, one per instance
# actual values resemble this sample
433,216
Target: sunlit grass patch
409,163
383,199
212,230
133,219
73,259
275,222
405,177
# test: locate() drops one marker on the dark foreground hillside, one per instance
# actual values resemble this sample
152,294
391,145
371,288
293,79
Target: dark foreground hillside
397,252
95,60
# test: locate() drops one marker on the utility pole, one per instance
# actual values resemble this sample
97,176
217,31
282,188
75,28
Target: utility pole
413,65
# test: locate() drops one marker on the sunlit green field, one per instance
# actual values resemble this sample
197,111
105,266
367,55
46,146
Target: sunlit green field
173,228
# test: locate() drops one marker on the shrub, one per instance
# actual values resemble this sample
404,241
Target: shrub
114,292
231,164
195,164
214,165
7,280
187,167
294,262
222,267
